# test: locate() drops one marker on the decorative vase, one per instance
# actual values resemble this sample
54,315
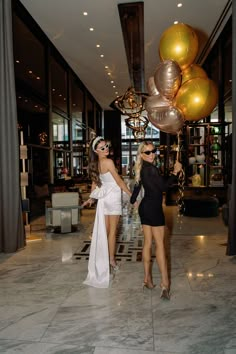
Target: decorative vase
196,180
200,158
215,146
192,160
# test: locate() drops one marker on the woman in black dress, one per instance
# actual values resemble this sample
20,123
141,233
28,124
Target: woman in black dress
151,212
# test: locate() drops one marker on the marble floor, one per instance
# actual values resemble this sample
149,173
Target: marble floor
45,308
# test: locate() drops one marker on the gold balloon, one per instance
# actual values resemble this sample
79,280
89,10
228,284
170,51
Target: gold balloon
180,43
169,119
151,87
156,102
192,72
196,98
167,78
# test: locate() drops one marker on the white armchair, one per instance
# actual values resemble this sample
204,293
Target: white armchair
63,211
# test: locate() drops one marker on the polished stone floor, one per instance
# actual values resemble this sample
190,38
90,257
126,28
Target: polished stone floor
45,308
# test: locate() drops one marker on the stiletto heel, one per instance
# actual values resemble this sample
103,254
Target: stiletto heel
115,267
148,285
165,293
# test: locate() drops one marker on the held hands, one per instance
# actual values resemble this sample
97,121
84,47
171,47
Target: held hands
177,167
88,202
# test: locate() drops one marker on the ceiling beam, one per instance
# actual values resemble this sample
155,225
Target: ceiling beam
132,24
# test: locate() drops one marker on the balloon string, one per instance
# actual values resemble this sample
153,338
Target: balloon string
181,179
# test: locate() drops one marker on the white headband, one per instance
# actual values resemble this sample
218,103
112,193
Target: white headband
96,140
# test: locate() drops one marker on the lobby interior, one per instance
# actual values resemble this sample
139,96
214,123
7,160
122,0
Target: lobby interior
45,307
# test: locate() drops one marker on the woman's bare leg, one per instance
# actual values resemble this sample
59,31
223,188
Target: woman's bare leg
112,224
147,254
159,234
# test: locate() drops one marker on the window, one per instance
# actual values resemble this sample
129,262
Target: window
60,132
59,86
29,57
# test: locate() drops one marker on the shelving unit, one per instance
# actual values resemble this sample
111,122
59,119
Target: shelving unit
205,158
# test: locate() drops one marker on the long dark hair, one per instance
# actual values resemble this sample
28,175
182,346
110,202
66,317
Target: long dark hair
93,162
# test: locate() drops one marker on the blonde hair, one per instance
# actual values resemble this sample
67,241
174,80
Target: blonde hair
139,161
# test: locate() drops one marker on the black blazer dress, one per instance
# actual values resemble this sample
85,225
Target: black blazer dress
150,209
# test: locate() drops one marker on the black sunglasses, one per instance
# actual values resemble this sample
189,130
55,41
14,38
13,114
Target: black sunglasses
148,152
104,147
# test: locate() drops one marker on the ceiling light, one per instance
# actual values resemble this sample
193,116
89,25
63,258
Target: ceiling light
38,78
30,71
114,86
98,45
85,13
116,92
17,61
175,22
108,73
112,82
106,67
179,4
102,55
91,29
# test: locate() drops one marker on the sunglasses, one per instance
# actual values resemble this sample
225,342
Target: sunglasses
148,152
104,147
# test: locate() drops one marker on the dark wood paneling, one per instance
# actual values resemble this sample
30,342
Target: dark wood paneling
132,24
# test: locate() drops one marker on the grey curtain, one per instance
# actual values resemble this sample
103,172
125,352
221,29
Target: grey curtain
231,246
12,234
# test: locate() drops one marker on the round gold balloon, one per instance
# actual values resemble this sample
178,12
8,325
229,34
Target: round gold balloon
193,71
180,43
196,98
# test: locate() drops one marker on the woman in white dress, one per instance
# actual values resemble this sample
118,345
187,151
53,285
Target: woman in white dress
107,186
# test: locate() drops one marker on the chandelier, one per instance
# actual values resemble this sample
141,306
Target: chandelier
132,105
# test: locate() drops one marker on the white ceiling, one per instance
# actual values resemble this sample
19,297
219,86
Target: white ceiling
68,29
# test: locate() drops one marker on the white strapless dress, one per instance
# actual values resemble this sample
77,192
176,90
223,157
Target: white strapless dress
109,203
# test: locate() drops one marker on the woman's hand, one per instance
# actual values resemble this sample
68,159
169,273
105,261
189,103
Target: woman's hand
177,167
136,204
88,202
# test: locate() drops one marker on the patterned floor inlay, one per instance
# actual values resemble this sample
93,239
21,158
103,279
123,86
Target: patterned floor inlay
126,251
129,241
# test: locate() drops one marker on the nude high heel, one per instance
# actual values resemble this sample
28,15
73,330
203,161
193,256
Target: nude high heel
148,285
165,293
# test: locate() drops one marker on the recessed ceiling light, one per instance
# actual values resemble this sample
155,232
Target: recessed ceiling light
106,67
91,29
102,55
179,4
98,45
85,13
30,71
112,81
175,22
17,61
116,93
114,86
108,73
